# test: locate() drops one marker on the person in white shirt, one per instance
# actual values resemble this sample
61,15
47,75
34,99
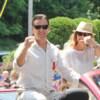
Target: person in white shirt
81,50
36,61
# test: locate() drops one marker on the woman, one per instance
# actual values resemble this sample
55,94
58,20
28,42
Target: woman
81,50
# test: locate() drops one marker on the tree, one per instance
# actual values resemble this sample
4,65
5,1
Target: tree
14,19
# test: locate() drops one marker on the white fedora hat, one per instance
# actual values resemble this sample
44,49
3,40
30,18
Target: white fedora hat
85,27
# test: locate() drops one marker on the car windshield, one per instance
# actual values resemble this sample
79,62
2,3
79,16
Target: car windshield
8,94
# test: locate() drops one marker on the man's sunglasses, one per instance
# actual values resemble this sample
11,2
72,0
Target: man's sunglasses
40,26
83,34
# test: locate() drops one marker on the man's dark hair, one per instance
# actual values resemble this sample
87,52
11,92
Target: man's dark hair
39,16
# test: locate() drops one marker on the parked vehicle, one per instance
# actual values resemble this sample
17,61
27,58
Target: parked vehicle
8,94
2,53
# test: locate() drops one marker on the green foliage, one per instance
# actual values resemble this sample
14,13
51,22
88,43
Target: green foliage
14,21
7,44
95,63
3,29
70,8
75,8
96,24
94,10
49,7
14,18
76,21
61,28
7,60
16,28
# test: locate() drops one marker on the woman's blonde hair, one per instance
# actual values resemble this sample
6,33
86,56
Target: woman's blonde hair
72,40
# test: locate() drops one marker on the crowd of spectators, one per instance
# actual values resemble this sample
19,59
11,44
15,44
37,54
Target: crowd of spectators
8,79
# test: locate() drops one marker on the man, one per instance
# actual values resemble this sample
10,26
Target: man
36,61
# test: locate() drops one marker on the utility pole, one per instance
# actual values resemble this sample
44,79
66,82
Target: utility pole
30,14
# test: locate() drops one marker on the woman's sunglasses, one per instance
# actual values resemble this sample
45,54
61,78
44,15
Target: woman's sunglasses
40,26
83,34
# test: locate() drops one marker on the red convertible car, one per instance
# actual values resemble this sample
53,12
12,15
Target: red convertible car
91,81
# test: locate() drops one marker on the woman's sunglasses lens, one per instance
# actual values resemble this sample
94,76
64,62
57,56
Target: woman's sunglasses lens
83,34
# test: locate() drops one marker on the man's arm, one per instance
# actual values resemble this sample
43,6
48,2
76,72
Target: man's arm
23,50
67,72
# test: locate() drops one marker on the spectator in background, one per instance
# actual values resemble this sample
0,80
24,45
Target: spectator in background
13,79
1,78
5,79
81,50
